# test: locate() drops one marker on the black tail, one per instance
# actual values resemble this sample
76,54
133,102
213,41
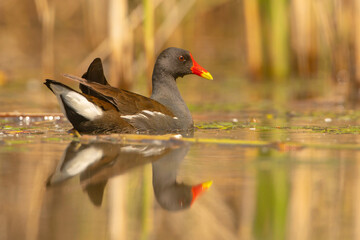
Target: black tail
48,83
95,73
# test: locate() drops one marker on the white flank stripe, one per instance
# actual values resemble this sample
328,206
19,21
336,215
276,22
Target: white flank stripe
153,113
77,101
132,116
142,115
149,112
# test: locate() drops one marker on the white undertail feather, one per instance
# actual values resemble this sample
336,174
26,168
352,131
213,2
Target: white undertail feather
77,102
82,160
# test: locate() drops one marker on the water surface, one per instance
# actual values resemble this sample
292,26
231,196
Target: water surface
293,176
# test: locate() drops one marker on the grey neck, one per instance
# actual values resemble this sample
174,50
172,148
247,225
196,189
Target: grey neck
166,92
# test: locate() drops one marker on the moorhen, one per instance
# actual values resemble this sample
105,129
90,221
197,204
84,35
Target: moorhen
101,108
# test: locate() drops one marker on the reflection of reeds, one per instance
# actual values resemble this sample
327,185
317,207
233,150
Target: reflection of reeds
146,203
300,200
354,188
117,204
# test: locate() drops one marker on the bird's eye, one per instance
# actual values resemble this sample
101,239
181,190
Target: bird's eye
181,58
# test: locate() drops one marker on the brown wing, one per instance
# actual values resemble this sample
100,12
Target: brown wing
127,103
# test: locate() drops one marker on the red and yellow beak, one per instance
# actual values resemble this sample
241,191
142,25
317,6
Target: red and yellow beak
199,70
199,189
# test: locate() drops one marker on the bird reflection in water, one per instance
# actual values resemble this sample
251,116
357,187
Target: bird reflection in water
97,162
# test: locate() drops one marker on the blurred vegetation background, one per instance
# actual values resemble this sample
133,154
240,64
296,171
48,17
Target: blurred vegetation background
312,45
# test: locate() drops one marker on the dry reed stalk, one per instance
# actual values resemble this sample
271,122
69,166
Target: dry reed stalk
341,35
325,32
149,40
169,25
279,39
46,13
347,60
356,21
120,44
253,38
94,21
301,26
103,50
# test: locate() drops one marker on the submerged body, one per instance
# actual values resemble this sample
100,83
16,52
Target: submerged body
101,108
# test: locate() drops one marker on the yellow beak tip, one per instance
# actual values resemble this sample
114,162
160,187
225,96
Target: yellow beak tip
206,75
207,184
